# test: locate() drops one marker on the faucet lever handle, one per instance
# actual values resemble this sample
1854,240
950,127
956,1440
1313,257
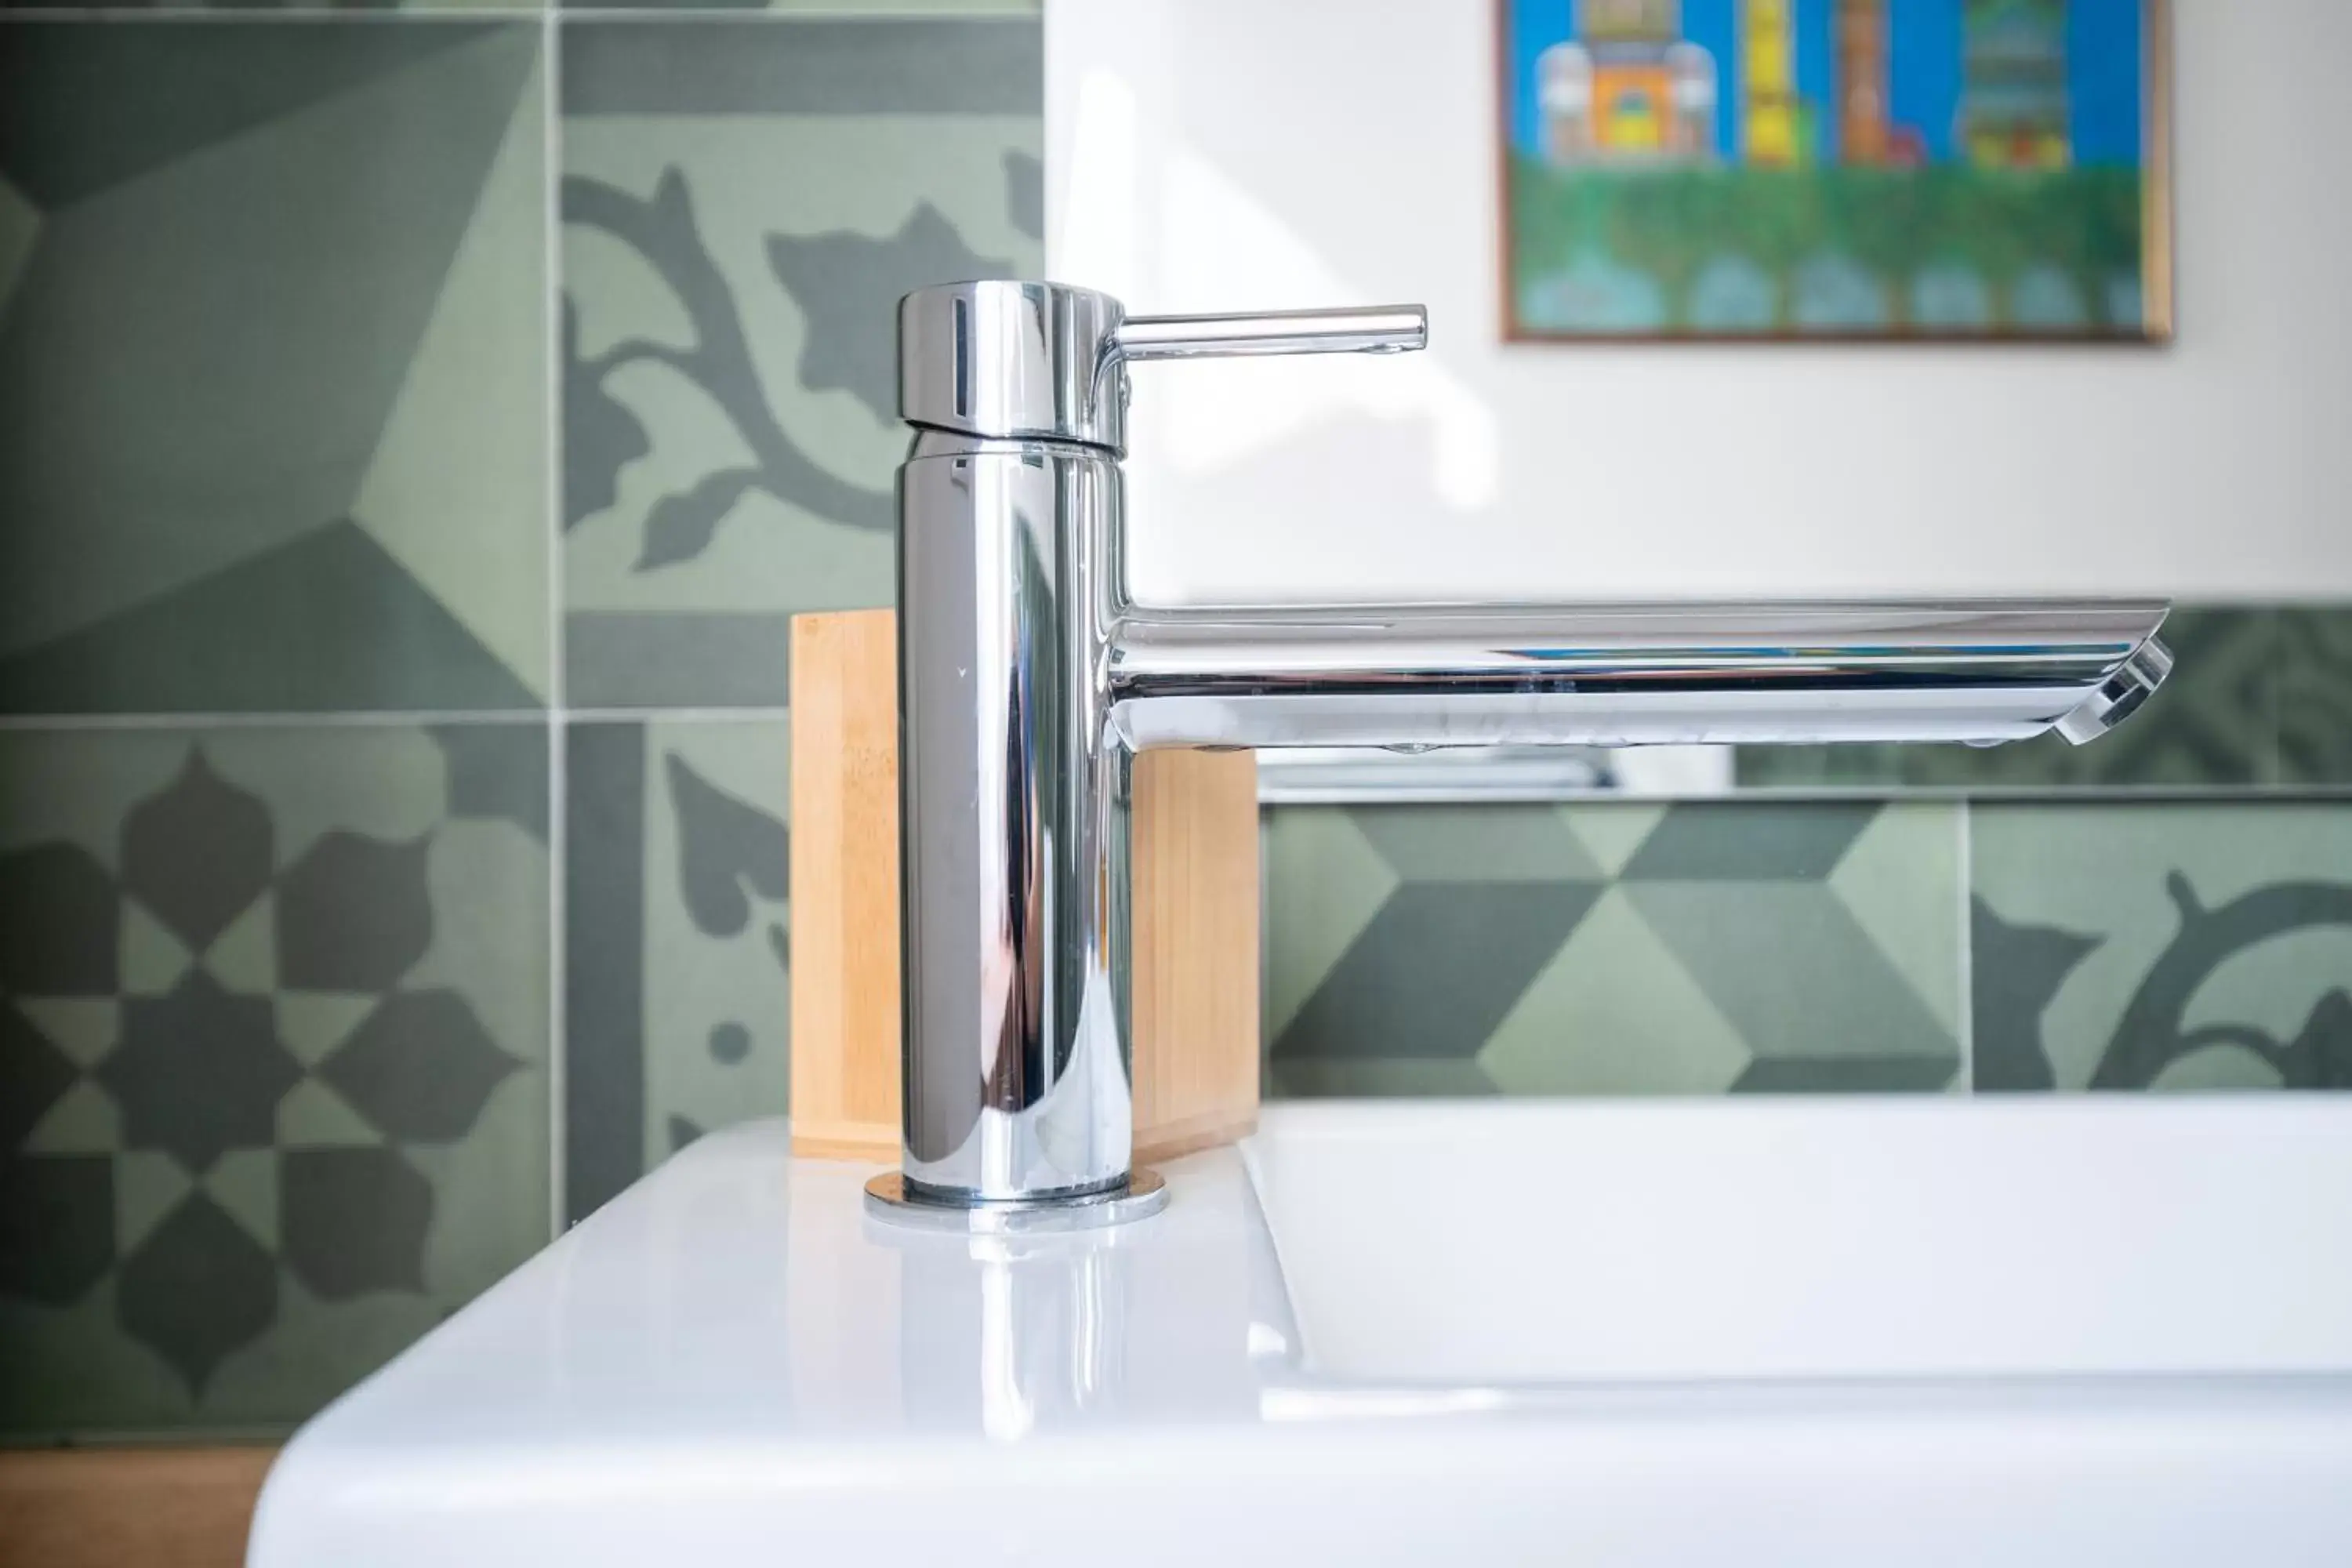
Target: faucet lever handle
1373,330
1006,359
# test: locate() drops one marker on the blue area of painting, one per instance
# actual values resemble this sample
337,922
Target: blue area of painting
1922,70
1815,83
2103,61
2103,79
1714,25
1535,25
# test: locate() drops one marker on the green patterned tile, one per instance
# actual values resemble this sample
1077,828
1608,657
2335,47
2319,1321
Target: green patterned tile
2314,695
1345,1078
272,367
680,953
1615,949
1615,1012
719,957
1324,883
355,7
1826,933
1474,843
742,208
1435,971
2146,945
273,1050
2213,722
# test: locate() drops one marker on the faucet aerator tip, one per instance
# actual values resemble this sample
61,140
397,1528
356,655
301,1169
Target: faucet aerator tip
2120,695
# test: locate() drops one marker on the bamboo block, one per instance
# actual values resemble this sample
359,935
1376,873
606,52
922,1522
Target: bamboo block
845,885
1195,890
1196,950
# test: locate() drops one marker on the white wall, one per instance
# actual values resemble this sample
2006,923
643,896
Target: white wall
1235,154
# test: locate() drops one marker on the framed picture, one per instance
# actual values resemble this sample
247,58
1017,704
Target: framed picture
1966,170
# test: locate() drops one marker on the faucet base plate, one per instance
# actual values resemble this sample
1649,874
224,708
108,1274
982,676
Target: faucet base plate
1144,1193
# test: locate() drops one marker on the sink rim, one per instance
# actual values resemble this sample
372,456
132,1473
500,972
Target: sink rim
2065,1128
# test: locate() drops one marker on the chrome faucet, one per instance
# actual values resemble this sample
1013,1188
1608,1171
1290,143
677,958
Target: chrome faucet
1028,680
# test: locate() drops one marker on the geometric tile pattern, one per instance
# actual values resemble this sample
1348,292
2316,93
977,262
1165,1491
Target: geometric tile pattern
2109,944
741,209
272,367
2148,946
1616,949
678,957
273,1031
280,337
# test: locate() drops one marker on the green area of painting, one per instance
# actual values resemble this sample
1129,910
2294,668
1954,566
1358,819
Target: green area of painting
1946,248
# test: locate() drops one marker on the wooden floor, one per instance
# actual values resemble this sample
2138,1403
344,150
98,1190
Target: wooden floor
128,1508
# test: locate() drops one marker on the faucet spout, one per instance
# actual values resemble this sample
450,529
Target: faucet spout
1608,675
1028,678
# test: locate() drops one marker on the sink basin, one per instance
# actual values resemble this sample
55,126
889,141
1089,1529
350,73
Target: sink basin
1509,1245
2059,1332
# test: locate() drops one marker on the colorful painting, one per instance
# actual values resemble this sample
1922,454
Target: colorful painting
1951,169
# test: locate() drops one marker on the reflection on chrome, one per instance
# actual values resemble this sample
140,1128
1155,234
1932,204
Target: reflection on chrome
1340,775
1028,678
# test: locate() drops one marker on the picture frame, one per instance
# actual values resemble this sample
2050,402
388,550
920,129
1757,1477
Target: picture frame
1953,171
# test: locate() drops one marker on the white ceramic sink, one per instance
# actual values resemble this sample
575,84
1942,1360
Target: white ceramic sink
2056,1331
1527,1244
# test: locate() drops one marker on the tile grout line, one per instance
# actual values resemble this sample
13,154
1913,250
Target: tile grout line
296,719
558,734
1965,820
321,718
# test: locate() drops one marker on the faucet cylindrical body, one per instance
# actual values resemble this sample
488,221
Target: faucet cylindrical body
1014,806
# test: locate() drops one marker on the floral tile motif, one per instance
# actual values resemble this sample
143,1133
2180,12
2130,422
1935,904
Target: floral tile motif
679,951
272,1054
1612,949
2146,945
344,504
742,208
